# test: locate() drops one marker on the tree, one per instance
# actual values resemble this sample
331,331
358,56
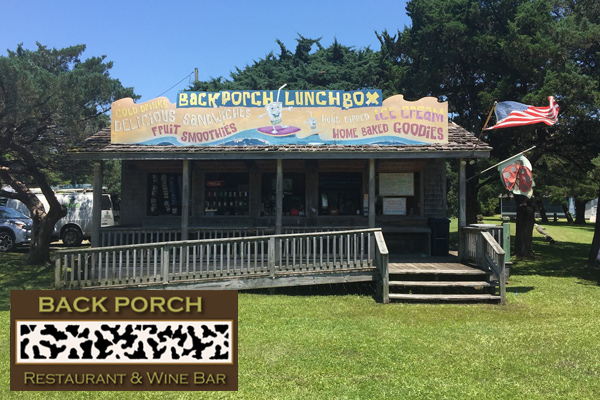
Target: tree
595,247
562,179
49,99
336,67
475,52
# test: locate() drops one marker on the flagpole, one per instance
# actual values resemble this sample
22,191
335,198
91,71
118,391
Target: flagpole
488,118
484,126
502,162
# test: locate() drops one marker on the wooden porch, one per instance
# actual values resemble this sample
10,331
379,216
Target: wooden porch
300,259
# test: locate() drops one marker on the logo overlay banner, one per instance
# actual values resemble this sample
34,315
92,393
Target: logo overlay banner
123,340
302,117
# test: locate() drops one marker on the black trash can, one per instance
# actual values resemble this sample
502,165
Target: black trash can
440,236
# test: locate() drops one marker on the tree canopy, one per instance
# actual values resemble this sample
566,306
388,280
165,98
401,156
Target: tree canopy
49,100
336,67
473,53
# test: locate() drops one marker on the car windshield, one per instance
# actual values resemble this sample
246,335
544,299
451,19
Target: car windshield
6,213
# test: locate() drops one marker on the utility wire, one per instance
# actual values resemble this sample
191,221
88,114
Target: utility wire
184,78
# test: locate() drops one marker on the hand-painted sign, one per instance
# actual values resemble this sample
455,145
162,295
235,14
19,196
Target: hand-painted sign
394,206
289,98
305,117
397,184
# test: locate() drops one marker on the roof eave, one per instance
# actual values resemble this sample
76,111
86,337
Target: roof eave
273,154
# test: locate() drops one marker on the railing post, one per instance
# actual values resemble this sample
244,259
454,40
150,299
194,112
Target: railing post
57,273
461,245
506,238
165,263
386,277
502,279
278,251
271,252
382,261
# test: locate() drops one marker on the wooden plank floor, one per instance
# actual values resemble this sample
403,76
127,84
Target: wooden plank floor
431,265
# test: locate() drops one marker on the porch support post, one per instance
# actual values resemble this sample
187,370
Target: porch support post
185,200
279,197
312,192
462,203
97,207
371,193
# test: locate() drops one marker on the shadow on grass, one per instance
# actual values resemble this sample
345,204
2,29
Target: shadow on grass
338,289
15,275
562,259
587,227
520,289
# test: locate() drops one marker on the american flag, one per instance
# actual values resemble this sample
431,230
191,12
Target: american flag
511,113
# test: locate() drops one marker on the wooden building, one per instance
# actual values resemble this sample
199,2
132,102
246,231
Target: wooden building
215,196
287,186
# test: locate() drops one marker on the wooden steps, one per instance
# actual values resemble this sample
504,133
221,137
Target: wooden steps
441,271
444,297
472,284
427,281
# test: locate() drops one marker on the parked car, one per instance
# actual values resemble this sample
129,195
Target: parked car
15,229
77,224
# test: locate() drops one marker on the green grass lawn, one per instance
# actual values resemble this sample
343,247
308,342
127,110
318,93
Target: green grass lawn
545,344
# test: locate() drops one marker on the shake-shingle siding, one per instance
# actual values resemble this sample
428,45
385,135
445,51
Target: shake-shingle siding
134,190
434,188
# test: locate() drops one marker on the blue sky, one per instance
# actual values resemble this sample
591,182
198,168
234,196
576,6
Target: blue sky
155,44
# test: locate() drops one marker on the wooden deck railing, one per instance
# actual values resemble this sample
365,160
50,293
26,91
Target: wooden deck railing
120,236
165,263
479,247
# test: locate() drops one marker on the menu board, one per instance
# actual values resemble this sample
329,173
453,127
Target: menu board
397,184
394,206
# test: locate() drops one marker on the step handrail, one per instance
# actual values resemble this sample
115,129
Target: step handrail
480,247
382,261
493,259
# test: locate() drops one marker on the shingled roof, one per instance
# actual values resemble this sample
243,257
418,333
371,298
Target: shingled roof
461,144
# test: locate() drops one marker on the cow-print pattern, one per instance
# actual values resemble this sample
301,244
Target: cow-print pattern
114,342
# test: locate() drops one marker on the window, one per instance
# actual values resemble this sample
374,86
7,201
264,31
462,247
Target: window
340,193
294,194
106,203
164,194
226,194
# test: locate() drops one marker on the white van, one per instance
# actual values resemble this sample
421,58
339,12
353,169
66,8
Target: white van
77,224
